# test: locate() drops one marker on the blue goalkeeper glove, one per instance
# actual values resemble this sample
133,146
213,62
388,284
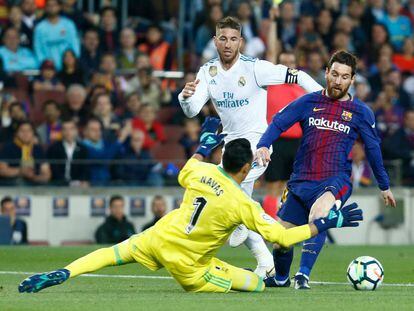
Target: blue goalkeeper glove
209,139
347,216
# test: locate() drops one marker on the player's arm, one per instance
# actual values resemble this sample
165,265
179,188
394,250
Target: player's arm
194,95
209,140
267,73
257,220
372,141
281,121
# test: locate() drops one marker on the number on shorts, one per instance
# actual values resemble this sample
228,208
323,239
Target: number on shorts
199,203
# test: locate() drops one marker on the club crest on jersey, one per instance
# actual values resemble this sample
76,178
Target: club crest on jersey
346,115
212,71
242,81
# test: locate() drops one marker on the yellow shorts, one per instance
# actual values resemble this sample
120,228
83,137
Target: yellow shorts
216,276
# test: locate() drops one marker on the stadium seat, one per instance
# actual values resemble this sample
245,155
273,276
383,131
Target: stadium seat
165,114
173,133
169,153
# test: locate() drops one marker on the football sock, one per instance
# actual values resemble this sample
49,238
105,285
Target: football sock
283,260
257,246
310,251
103,257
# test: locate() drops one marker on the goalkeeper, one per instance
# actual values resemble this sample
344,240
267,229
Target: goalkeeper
186,240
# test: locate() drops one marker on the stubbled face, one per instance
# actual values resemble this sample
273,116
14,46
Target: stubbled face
159,208
338,80
228,42
117,209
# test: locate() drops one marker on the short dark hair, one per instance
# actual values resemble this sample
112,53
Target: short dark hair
344,57
24,122
114,198
51,102
236,154
95,119
229,22
6,199
108,8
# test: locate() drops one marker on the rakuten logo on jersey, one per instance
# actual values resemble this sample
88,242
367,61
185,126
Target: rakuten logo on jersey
324,124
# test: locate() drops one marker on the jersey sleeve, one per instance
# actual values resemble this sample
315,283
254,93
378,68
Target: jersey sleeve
193,104
186,172
372,141
283,120
267,73
254,218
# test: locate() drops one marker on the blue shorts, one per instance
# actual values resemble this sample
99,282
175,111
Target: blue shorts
300,196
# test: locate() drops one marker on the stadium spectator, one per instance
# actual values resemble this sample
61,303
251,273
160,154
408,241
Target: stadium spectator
128,52
191,136
54,35
100,151
389,117
16,21
208,29
90,53
379,73
142,61
67,158
157,48
72,72
133,105
116,227
19,226
362,175
316,67
48,79
324,23
29,13
408,10
405,60
158,209
75,107
103,110
108,32
51,130
107,75
14,57
136,165
399,26
374,13
380,36
154,130
355,10
400,145
70,10
287,25
22,161
151,90
401,97
254,46
16,114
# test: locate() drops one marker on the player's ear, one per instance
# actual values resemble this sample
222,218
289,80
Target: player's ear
246,168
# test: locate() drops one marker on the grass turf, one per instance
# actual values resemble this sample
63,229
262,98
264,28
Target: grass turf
86,293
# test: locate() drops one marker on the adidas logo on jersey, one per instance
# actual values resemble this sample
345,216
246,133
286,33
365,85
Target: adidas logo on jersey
213,82
324,124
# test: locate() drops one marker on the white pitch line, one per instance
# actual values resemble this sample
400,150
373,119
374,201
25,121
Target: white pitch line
132,276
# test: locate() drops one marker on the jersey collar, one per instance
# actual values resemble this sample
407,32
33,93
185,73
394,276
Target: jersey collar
232,67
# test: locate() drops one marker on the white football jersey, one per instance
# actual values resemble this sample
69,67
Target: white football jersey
239,94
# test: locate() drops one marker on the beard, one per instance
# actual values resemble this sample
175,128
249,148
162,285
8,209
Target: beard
228,57
337,92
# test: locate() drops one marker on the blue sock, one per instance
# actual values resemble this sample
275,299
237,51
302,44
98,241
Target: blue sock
283,260
310,251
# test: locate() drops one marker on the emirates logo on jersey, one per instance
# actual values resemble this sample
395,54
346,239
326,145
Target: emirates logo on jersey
242,81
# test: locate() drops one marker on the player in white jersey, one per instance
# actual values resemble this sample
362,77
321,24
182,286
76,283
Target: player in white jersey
236,84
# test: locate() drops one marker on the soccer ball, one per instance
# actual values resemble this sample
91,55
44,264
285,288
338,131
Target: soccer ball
365,273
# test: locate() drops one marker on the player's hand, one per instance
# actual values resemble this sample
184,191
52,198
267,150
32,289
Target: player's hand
262,156
189,88
347,216
209,138
388,198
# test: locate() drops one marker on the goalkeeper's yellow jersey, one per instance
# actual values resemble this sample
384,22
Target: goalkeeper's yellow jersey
213,206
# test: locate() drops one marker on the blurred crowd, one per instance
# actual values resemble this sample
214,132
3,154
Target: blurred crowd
83,103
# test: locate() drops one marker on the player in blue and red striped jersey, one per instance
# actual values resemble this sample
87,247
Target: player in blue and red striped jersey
331,121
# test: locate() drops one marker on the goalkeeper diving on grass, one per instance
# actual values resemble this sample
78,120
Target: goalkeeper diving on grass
187,239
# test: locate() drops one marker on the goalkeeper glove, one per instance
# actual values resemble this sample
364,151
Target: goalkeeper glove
347,216
209,139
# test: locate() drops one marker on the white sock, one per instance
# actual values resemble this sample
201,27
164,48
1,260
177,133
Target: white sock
257,246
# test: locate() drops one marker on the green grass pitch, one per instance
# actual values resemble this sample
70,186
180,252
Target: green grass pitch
117,293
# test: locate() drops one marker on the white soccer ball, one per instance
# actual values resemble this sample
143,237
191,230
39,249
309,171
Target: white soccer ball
365,273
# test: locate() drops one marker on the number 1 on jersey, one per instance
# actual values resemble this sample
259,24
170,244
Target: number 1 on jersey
199,203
